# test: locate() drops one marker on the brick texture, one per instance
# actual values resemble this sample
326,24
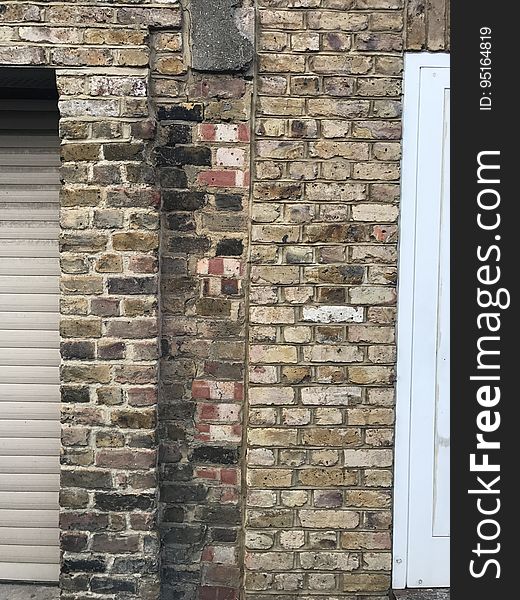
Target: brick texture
202,159
427,25
228,338
322,301
109,259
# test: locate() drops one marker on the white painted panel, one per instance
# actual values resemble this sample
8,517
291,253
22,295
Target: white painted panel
29,554
29,342
34,211
11,446
28,464
39,157
25,536
30,303
28,518
36,194
30,320
29,429
34,338
421,548
28,174
35,410
43,230
29,500
29,266
30,248
24,357
30,572
37,482
29,374
22,392
29,284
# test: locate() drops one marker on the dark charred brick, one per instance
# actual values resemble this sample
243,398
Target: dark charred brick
134,565
140,173
144,130
173,266
87,565
173,514
215,455
230,247
174,472
219,534
180,222
124,151
188,244
178,493
83,521
169,453
75,394
219,515
171,177
230,286
86,479
111,351
177,133
111,585
73,541
228,202
179,200
132,285
224,370
181,112
199,156
123,502
182,535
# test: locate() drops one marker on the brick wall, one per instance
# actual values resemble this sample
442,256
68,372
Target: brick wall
109,259
202,158
272,318
322,351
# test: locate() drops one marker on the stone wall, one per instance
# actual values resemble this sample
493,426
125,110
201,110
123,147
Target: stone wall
322,336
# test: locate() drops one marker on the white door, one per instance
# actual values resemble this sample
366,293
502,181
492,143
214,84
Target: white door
29,341
423,388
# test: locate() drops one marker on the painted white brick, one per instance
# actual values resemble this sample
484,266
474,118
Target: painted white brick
333,314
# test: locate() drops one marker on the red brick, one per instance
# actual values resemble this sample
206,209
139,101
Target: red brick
207,132
244,132
218,178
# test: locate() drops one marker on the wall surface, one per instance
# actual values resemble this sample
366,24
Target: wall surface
228,339
109,259
322,337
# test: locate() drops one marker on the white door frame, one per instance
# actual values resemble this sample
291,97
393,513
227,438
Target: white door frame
412,69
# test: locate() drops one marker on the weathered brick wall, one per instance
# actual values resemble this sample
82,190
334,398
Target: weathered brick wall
141,130
202,159
155,125
109,259
427,25
322,303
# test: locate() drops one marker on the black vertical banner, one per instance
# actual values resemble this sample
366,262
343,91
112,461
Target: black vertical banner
485,246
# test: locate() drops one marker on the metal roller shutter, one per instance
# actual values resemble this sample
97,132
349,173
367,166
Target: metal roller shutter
29,340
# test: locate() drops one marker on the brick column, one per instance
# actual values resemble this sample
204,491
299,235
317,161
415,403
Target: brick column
322,354
202,158
109,247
